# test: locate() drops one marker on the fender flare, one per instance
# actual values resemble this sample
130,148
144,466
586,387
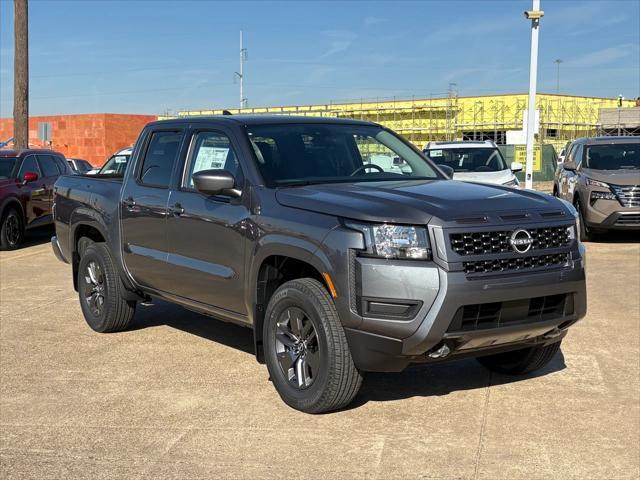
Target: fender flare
281,245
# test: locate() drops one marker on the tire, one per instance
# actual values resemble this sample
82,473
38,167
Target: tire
99,291
519,362
585,233
324,375
11,230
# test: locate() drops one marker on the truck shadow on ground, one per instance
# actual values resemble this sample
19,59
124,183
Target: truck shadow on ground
417,381
440,379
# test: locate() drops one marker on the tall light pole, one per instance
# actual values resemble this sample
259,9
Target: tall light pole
240,74
535,14
21,74
558,61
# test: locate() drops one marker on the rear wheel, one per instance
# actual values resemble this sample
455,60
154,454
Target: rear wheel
11,230
306,350
523,361
99,287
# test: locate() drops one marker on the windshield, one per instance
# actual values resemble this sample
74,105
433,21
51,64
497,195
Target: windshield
329,153
616,156
468,159
116,165
82,166
7,164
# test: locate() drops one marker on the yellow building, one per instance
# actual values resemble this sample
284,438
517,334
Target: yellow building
561,117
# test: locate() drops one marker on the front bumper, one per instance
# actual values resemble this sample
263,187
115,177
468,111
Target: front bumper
392,343
608,214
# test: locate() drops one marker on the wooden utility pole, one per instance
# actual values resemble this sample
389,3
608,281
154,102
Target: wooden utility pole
21,74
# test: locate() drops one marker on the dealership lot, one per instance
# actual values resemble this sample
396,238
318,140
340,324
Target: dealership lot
180,396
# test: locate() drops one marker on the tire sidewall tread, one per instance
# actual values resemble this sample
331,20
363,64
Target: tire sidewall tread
339,381
117,312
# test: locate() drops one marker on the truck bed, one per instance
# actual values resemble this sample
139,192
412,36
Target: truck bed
93,198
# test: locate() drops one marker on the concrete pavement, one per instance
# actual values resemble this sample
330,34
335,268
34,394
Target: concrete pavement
180,396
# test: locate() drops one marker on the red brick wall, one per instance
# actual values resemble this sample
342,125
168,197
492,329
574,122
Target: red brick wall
93,137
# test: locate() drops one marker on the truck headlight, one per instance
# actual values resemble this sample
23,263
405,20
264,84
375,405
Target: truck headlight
394,241
596,183
512,183
574,230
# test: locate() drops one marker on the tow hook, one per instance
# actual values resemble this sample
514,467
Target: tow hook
553,333
441,352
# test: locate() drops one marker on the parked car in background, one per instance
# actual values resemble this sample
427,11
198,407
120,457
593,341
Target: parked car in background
601,177
26,191
474,161
116,164
79,166
340,260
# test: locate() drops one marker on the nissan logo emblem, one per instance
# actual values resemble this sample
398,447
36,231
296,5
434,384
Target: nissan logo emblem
521,241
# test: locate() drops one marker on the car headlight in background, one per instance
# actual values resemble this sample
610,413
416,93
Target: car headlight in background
512,183
595,195
596,183
394,241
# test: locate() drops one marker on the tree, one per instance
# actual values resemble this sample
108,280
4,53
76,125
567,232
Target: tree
21,74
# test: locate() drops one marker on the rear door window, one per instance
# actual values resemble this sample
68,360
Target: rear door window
160,158
49,166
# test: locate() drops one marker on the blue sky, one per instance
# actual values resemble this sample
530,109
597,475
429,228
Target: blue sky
152,56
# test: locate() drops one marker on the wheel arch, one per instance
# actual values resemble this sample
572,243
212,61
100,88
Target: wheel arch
9,202
274,266
85,228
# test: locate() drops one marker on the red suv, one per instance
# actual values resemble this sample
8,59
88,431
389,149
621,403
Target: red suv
26,191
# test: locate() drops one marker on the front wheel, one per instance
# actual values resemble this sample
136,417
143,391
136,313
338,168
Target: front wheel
306,349
519,362
99,287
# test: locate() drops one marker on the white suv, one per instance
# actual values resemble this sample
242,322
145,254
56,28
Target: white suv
474,161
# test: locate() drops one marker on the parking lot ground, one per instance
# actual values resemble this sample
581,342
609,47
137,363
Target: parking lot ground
180,396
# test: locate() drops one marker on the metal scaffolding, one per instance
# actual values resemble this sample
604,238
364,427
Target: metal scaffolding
449,116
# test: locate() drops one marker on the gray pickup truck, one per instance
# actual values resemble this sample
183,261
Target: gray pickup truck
336,241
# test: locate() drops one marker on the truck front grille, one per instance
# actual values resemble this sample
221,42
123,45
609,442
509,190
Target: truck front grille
483,316
516,263
484,243
629,195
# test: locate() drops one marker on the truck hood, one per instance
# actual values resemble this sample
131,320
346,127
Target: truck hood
414,201
616,177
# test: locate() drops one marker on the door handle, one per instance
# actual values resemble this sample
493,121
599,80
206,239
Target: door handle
176,210
129,203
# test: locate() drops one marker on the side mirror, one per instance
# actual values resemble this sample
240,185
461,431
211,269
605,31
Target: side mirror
29,177
447,170
516,167
216,182
569,165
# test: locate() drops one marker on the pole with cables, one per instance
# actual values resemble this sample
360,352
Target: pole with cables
240,74
534,15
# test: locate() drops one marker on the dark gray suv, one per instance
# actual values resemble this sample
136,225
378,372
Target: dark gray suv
337,242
